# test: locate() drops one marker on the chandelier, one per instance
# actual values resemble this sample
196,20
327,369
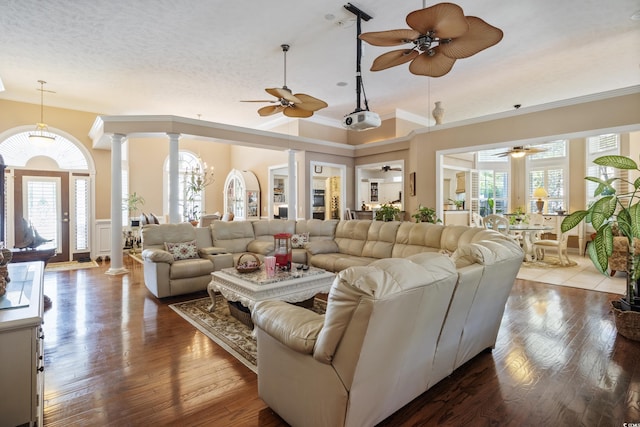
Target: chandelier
39,136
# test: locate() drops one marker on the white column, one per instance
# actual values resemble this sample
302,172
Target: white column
116,206
174,157
293,186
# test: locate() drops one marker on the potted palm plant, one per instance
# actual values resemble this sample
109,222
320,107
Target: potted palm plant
614,210
132,203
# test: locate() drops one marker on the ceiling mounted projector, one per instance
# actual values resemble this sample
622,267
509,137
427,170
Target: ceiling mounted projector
361,120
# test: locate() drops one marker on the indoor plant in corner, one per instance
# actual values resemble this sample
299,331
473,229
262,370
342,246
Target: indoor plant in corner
621,210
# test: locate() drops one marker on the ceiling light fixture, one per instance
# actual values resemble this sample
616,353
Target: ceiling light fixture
39,136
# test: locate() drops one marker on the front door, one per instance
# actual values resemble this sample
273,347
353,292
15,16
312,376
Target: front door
41,198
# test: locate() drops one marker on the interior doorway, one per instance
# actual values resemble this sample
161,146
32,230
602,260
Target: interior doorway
328,191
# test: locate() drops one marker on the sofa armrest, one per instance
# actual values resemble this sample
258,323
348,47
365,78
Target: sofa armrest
157,255
293,326
211,250
322,247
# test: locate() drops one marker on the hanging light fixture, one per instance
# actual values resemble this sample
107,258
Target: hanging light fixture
39,135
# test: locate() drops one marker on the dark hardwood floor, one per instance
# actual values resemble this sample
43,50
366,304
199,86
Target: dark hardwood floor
116,355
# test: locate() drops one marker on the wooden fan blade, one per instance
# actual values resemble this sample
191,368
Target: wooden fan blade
270,110
309,103
445,19
433,66
294,111
393,58
279,92
389,38
479,37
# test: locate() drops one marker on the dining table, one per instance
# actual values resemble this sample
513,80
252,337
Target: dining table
528,234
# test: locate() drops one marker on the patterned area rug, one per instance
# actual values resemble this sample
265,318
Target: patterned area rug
549,262
70,265
224,329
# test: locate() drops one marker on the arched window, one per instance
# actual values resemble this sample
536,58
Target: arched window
192,178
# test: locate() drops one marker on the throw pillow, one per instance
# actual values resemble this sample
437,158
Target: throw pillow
298,240
183,250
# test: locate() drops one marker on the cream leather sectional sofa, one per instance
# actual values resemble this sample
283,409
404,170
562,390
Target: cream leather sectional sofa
332,245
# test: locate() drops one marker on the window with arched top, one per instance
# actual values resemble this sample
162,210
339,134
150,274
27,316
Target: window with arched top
18,150
192,177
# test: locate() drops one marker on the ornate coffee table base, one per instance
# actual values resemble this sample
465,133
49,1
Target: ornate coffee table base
249,288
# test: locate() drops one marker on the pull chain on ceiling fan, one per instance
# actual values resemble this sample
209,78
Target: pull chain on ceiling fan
299,105
440,35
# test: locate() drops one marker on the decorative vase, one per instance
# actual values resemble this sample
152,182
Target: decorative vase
438,113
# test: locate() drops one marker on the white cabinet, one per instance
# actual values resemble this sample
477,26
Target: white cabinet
21,347
242,195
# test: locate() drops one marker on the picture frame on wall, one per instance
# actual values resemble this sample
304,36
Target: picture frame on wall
412,183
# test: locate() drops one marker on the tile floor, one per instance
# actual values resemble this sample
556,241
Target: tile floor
584,275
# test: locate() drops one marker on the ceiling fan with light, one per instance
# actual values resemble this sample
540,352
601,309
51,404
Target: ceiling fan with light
521,151
440,35
299,105
387,168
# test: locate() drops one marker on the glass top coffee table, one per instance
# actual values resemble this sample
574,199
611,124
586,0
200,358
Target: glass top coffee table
249,288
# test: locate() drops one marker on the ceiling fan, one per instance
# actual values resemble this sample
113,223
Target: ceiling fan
387,168
521,151
440,35
299,105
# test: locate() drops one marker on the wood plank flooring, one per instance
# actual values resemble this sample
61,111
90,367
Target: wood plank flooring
117,356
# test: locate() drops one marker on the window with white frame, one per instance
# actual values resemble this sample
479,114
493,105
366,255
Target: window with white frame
493,181
190,204
598,146
548,169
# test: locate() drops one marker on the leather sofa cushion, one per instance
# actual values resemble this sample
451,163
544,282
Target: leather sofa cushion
413,238
294,326
318,229
351,236
380,239
338,261
264,230
155,235
322,247
233,236
186,268
261,247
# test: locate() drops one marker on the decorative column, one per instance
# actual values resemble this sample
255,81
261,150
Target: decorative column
116,206
293,186
174,159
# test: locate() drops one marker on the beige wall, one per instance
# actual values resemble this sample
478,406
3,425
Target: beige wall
418,149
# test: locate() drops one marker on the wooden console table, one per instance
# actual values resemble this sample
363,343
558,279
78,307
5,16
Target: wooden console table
28,255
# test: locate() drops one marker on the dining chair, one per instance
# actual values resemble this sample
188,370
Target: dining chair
476,220
496,222
560,245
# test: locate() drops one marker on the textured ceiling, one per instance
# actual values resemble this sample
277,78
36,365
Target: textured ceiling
201,57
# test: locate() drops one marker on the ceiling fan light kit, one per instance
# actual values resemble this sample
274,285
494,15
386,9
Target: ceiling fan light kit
440,35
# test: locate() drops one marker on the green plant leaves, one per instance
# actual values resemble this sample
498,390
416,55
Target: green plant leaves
602,210
618,162
572,220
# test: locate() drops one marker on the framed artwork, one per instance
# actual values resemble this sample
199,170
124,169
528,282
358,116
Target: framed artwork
412,183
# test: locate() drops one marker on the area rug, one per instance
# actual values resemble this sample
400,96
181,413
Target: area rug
225,330
549,262
70,265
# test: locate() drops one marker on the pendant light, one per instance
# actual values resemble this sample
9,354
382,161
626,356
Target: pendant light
39,135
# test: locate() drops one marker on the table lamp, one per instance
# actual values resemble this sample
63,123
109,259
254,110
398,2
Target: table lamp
540,193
